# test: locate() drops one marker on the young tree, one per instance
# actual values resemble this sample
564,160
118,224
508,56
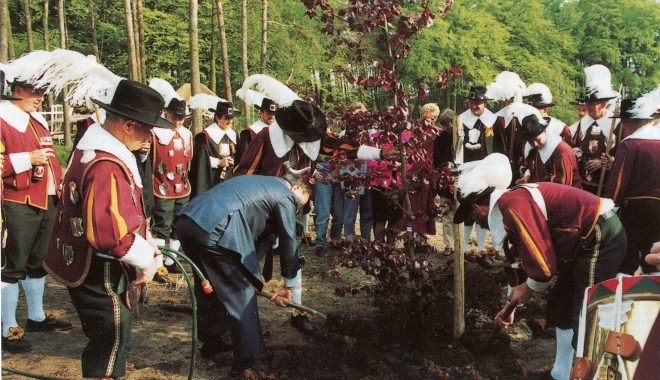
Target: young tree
264,34
223,48
28,24
130,36
195,87
66,108
4,32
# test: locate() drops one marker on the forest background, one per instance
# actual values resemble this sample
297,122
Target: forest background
548,41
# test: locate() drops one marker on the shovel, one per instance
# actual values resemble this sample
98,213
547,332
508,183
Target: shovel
294,305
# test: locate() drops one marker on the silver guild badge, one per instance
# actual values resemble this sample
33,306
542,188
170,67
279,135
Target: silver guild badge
77,229
67,253
74,196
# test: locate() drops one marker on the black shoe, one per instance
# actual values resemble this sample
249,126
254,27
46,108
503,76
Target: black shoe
239,366
320,251
173,268
48,324
302,323
210,348
16,346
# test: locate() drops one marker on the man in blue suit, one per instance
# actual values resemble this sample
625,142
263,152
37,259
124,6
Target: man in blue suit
226,231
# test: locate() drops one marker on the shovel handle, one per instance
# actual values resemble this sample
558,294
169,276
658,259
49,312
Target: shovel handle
294,305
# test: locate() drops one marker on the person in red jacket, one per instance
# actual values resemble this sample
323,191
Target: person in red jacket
31,178
634,182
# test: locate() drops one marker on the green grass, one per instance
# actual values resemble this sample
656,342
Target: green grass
62,153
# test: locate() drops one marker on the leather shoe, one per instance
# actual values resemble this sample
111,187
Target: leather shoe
173,268
210,348
48,324
16,346
302,323
239,366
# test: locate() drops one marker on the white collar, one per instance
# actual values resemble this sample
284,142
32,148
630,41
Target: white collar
18,118
97,138
648,132
604,123
546,150
165,135
282,143
496,219
504,114
555,126
257,126
216,133
487,118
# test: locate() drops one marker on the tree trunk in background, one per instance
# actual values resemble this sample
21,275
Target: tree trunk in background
264,34
130,36
195,87
244,55
4,35
92,23
66,122
44,23
142,60
7,30
223,47
28,24
214,79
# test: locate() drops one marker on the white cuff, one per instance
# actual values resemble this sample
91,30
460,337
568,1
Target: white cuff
20,161
538,286
140,255
527,173
289,282
214,162
368,153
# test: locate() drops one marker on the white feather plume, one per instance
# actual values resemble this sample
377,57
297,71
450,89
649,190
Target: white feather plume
492,171
599,82
251,97
507,85
282,95
27,68
205,101
522,110
165,89
647,105
540,88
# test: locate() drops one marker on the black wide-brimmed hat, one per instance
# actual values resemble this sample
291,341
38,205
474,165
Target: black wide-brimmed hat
530,127
537,101
178,107
267,105
579,101
139,102
224,108
627,111
2,88
465,205
478,93
302,121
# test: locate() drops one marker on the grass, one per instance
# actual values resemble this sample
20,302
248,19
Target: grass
62,153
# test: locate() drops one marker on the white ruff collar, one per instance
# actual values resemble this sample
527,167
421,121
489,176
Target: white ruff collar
18,118
216,133
487,118
546,150
647,132
165,135
282,143
97,138
555,126
605,123
257,126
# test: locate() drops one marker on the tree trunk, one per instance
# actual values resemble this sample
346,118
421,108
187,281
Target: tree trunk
28,24
264,34
44,22
244,55
195,87
66,122
130,36
223,47
4,32
92,23
9,51
142,61
213,68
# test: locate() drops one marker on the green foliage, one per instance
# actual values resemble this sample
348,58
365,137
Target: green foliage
548,41
62,153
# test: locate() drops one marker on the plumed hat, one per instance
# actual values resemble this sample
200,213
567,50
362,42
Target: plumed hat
530,121
478,93
579,101
218,106
507,85
646,106
298,119
539,95
26,71
2,88
478,179
138,102
174,103
599,83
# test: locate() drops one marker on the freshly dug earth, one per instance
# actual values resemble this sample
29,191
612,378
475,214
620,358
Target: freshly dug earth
358,340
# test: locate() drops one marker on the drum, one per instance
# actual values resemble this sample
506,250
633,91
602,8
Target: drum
640,305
